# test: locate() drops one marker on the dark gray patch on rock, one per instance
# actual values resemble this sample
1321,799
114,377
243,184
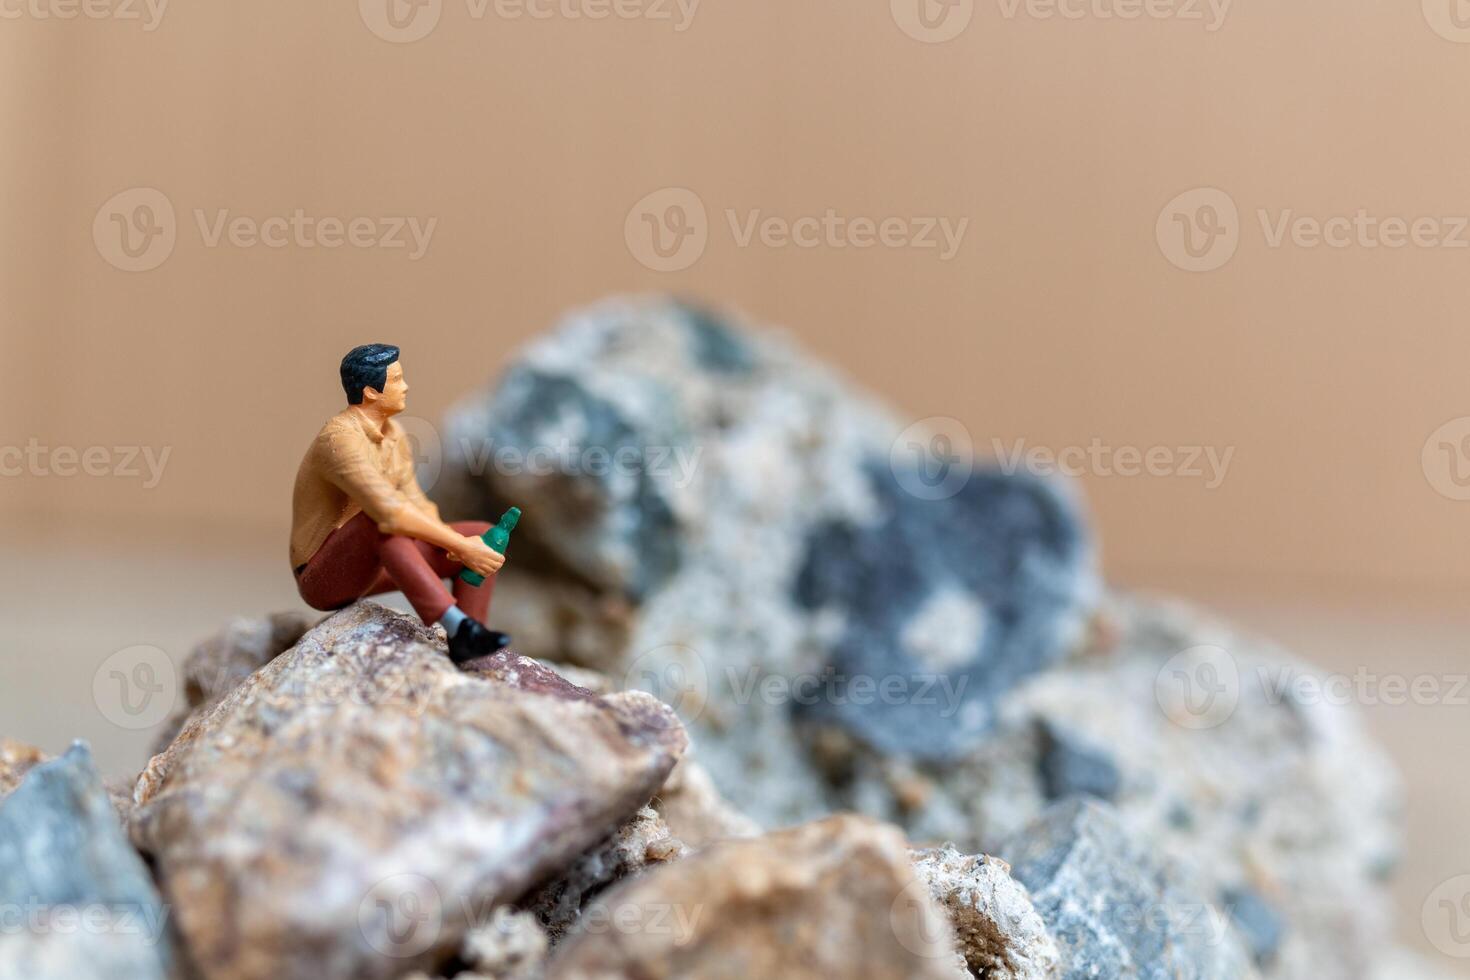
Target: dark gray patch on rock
1258,922
717,346
631,550
1011,543
1071,766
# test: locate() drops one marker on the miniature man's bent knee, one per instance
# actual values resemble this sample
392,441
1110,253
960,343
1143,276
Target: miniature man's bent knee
361,524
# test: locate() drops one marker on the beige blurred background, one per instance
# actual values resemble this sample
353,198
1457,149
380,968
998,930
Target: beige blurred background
1070,140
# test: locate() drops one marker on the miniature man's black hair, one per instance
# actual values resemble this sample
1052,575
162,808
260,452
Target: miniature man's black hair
366,367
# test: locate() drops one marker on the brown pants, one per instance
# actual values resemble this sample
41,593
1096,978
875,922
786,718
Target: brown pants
358,560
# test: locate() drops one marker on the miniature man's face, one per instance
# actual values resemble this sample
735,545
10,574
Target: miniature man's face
394,396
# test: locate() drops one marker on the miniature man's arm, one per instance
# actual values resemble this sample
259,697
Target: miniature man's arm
395,513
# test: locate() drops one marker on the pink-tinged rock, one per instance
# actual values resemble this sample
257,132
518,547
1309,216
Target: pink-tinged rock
835,898
357,805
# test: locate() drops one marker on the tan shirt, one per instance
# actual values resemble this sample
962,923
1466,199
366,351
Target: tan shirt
352,466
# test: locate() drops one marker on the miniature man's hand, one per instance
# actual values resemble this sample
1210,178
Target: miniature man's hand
478,557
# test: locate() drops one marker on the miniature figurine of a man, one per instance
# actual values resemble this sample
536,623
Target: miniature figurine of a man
361,524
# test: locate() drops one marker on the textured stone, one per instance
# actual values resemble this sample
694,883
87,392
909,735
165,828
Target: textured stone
511,946
80,902
998,930
1070,766
1286,800
1257,921
1113,908
358,804
757,530
694,810
223,661
836,898
641,843
16,759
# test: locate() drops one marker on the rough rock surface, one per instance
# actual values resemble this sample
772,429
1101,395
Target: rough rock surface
1116,910
357,804
1286,809
511,946
999,932
641,843
83,901
836,898
708,511
694,810
223,661
16,759
767,552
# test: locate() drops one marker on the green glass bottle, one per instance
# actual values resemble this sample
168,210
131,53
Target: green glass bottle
498,538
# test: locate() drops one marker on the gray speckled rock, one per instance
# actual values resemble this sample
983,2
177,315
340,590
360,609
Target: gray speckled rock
1114,909
78,901
836,898
1287,804
799,565
1069,766
747,529
357,804
998,930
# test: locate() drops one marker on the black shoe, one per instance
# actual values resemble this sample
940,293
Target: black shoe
473,640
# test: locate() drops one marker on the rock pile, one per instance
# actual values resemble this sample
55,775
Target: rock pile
845,626
747,604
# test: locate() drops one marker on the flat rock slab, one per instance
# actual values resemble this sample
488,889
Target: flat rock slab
835,898
78,901
358,804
